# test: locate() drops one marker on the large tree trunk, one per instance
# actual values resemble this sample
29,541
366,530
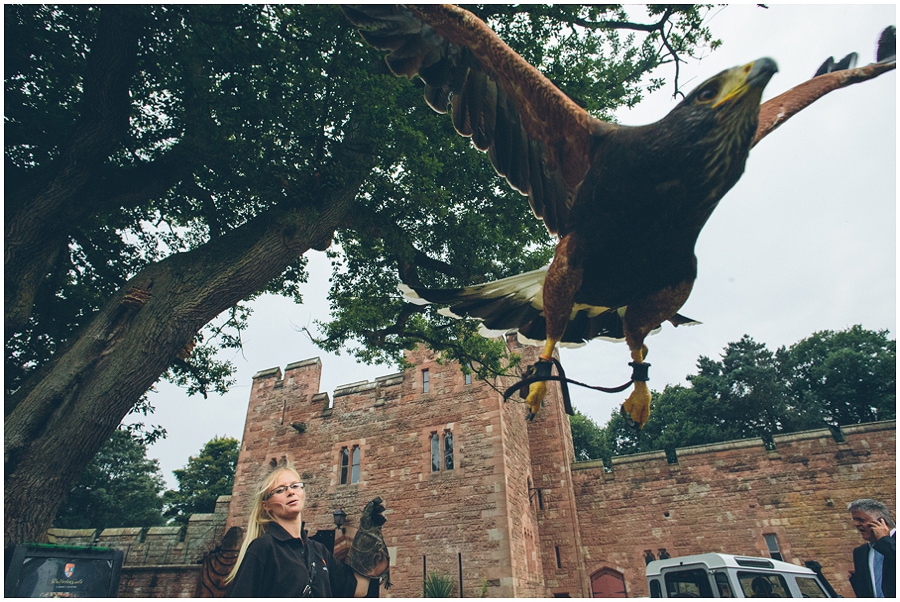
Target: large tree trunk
58,421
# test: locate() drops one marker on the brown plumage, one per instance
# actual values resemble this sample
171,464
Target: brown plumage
627,203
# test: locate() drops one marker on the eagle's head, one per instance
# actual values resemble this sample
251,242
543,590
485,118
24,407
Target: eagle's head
715,123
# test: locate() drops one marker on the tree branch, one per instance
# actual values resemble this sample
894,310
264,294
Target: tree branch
398,245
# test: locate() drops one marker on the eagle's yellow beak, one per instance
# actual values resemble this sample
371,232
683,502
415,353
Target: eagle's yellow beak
738,81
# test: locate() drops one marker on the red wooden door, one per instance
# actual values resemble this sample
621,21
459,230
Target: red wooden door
608,583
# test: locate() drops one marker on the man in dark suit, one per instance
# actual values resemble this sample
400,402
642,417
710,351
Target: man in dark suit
874,562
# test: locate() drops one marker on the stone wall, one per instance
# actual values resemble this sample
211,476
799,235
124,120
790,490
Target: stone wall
552,458
160,562
726,497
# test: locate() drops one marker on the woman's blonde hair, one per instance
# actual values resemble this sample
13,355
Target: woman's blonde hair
259,516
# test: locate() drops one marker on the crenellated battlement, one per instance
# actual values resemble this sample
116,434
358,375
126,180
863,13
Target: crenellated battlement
150,552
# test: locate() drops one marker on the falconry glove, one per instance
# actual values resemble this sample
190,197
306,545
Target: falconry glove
368,553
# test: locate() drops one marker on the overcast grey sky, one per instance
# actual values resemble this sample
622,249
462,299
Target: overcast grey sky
806,241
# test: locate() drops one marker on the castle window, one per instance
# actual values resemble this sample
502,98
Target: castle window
425,382
435,453
467,376
345,465
772,544
441,460
350,471
448,450
354,474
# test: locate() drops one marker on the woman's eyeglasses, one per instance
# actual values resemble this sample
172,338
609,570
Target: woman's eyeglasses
279,490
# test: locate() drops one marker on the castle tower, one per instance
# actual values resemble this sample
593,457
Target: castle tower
469,484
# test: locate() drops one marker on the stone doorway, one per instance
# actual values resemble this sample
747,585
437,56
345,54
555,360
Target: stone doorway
608,583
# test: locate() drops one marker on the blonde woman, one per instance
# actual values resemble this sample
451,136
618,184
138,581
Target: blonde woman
276,561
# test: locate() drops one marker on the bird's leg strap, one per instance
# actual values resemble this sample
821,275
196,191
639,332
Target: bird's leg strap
639,371
540,370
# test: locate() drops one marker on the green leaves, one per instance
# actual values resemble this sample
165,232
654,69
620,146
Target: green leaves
846,377
588,438
203,479
120,487
439,585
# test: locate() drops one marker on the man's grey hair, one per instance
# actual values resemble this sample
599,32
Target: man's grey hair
873,507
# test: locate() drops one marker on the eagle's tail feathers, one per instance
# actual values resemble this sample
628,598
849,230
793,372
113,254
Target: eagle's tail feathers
679,320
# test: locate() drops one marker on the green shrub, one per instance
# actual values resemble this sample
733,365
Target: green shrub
438,586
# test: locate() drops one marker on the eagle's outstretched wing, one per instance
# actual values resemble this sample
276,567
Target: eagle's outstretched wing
535,135
773,113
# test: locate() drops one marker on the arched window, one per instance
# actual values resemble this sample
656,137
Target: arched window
350,460
345,465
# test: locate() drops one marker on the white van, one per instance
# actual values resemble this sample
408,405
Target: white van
728,576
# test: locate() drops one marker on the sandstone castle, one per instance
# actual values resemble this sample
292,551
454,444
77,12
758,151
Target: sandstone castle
498,504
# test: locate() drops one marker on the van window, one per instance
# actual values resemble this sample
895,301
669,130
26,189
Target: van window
724,586
689,583
810,588
763,585
655,589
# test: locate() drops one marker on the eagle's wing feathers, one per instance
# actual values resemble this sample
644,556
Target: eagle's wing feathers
501,304
516,303
505,105
776,111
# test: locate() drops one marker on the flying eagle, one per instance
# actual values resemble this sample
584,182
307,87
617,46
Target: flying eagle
627,203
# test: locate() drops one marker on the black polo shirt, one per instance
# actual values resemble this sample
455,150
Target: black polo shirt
276,565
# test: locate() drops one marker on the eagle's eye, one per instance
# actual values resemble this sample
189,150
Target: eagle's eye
708,94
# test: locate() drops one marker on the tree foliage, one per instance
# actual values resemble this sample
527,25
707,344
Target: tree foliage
203,479
166,163
121,487
588,438
829,378
844,377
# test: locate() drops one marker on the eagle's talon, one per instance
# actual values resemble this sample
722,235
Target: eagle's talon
536,395
536,369
637,406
